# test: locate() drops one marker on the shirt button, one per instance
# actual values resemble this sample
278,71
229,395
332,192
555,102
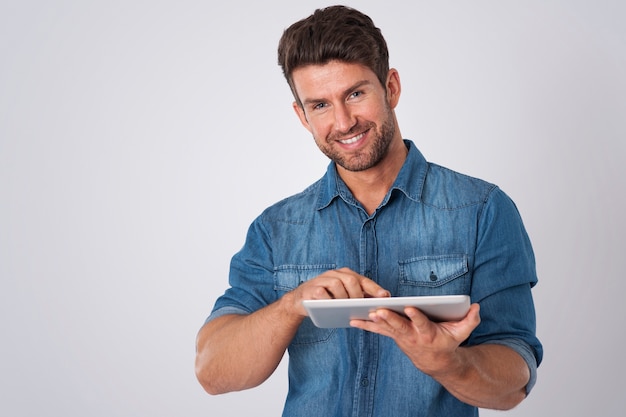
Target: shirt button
433,276
365,382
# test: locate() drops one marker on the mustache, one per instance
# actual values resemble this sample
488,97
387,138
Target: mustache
358,128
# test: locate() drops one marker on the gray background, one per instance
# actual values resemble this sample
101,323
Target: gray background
138,139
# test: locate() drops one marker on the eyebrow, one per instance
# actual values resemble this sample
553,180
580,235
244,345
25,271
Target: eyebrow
347,91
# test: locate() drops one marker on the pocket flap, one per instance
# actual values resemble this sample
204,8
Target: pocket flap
288,277
432,271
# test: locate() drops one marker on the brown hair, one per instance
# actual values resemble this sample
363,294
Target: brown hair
333,33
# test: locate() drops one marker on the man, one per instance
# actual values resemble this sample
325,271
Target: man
381,222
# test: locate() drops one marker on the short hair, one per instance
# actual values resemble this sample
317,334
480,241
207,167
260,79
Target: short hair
333,33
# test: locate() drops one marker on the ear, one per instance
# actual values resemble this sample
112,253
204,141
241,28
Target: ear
393,88
301,115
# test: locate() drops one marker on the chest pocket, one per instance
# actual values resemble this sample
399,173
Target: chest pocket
434,275
287,278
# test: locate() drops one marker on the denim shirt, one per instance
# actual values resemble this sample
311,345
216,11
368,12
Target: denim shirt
436,232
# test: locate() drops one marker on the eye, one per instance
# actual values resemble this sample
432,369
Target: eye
319,106
356,94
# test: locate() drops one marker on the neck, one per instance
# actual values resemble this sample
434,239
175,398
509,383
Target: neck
369,187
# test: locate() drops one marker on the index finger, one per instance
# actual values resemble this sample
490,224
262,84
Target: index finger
372,289
360,286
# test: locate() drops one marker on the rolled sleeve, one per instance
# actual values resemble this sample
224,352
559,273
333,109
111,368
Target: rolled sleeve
527,353
224,311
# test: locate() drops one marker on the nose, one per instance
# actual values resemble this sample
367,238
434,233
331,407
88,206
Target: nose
344,119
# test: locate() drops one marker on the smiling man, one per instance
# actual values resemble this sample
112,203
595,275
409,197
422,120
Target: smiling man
381,222
350,114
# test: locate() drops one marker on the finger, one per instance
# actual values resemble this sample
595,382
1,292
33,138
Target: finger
384,322
461,330
372,289
421,322
343,283
320,288
351,281
389,318
329,288
373,325
366,286
473,316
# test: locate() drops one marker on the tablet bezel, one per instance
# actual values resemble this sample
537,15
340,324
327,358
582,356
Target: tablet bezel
336,313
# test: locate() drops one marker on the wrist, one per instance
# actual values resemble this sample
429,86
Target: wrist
291,307
450,365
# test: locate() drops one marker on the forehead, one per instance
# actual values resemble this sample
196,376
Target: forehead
334,77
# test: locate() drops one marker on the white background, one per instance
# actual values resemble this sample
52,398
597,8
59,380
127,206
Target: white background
138,140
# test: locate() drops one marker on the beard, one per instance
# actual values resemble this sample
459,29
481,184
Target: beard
366,158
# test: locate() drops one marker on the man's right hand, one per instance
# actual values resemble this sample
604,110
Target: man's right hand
335,283
227,361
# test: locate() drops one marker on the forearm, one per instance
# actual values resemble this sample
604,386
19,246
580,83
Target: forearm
486,376
237,352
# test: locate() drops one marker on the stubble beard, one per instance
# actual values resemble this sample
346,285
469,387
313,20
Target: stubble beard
367,158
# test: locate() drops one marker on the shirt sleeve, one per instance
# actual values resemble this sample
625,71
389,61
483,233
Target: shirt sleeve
251,276
527,353
504,273
504,256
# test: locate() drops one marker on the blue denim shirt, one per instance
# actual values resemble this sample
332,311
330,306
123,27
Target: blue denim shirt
436,232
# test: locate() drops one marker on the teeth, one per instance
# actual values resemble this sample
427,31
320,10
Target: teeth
352,140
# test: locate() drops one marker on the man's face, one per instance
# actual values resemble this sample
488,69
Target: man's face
348,112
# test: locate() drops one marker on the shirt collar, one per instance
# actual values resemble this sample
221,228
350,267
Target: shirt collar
410,180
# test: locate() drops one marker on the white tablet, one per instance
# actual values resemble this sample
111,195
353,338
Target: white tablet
339,312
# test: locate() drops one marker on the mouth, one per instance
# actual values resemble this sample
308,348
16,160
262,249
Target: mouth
352,139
